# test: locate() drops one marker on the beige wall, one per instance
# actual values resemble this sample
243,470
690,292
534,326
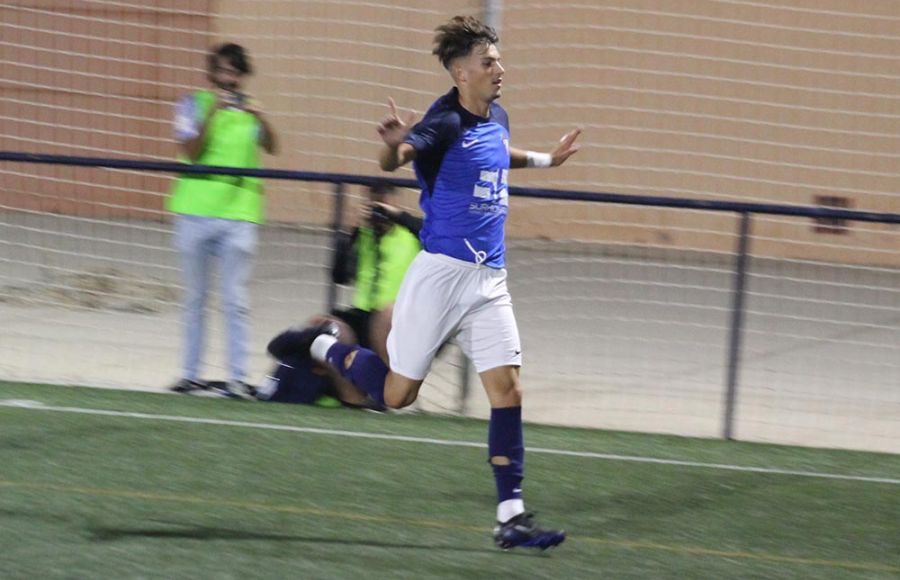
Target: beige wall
679,98
86,79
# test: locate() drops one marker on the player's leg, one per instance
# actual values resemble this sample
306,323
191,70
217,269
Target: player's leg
401,391
350,394
506,448
379,328
346,391
360,366
195,252
322,342
364,369
424,316
299,379
490,337
506,451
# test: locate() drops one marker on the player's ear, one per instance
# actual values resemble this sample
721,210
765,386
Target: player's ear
458,71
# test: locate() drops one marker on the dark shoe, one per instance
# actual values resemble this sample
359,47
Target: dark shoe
187,386
296,341
521,531
239,390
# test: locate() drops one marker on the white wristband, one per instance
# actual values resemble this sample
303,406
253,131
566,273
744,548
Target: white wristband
534,159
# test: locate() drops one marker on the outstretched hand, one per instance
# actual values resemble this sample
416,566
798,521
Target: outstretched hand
566,148
393,128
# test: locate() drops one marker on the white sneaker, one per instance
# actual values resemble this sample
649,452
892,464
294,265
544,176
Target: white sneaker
239,390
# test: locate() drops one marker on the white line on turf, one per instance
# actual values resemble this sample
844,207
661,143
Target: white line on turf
38,406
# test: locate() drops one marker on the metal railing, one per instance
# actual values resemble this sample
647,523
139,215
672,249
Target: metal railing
744,210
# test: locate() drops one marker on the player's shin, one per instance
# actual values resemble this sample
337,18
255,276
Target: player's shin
360,366
506,451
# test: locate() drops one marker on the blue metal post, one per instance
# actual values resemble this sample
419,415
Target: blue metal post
737,324
336,221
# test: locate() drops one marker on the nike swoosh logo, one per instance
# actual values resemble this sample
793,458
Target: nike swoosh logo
467,144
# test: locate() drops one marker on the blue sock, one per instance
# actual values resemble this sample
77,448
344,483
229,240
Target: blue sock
506,451
366,369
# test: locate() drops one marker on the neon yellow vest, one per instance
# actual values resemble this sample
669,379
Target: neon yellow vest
380,266
232,141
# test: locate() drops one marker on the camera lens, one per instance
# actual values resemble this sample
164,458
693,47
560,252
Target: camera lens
379,216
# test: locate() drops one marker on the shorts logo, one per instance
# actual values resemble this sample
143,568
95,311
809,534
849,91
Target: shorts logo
467,144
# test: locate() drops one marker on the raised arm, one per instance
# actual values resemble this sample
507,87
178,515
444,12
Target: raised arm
393,130
190,131
267,136
566,148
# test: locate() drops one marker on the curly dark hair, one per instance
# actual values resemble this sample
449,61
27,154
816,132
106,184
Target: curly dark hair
235,54
459,36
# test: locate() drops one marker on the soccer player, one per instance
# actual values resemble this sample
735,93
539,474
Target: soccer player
456,287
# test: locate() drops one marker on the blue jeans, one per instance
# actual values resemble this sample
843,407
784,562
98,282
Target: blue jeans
199,241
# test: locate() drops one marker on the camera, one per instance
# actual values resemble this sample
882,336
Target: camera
379,217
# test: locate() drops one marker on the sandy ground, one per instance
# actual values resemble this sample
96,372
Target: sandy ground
613,338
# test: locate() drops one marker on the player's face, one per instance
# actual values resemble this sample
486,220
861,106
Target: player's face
484,73
225,76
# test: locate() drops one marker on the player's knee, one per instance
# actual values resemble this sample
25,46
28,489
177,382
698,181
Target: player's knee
512,395
393,401
503,388
400,391
397,400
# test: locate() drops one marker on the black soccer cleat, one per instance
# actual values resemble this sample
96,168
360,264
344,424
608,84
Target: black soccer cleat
187,386
522,532
296,341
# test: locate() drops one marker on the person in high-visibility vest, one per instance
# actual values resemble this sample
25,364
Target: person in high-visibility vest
374,257
217,216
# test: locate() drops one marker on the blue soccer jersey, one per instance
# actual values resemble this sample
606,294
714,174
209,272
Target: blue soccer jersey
462,164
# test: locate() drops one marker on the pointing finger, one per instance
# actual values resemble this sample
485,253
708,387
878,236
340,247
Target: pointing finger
570,137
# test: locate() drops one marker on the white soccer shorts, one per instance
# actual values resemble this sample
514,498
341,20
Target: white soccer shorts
442,298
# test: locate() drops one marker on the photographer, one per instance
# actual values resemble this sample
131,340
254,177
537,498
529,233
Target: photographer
374,257
217,217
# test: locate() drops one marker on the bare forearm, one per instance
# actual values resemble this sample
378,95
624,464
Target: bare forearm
518,158
193,148
388,158
267,139
392,157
